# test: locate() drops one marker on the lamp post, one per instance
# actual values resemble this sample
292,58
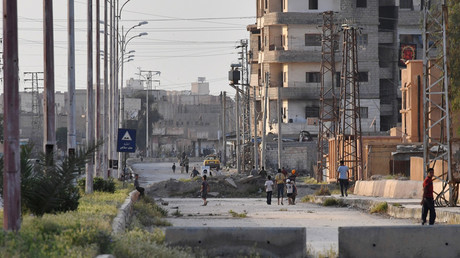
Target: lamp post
123,44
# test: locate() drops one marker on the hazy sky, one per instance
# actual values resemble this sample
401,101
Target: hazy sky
186,39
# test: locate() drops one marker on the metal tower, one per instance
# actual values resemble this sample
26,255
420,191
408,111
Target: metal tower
245,97
348,138
328,109
34,78
437,124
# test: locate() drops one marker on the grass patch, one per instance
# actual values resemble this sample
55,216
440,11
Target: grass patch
336,191
307,198
283,209
334,202
149,214
381,207
323,190
185,180
397,205
238,215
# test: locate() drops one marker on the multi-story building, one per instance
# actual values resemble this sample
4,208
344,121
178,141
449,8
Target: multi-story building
286,43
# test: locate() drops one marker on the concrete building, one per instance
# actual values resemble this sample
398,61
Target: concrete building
201,87
286,42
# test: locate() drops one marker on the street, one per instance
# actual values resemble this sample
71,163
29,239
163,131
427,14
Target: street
322,223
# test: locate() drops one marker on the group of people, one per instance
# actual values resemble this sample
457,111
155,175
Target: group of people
284,183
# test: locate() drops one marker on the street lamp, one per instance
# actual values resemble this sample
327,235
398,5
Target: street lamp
123,45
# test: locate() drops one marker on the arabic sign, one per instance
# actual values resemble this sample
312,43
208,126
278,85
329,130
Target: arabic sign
126,140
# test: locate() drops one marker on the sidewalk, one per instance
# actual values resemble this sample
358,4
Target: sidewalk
398,208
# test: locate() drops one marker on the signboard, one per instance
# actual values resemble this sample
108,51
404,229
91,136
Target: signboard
407,52
126,140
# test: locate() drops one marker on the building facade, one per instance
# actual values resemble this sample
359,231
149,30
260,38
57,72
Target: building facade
286,43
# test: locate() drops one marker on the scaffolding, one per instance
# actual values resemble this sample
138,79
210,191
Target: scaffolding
348,135
437,123
328,109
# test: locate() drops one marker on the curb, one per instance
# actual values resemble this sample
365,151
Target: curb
124,213
401,211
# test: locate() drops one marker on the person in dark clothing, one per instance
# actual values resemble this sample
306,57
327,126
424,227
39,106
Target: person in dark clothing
174,167
137,186
263,173
343,176
428,200
194,172
204,191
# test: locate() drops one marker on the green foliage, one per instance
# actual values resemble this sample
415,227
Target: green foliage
307,198
324,190
148,213
381,207
49,188
330,202
85,232
454,52
141,243
99,184
238,215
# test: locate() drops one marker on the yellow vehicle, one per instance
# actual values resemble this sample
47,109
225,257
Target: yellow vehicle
212,161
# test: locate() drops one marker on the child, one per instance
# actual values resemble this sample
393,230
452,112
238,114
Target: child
290,190
269,189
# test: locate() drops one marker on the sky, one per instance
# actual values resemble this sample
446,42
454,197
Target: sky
186,39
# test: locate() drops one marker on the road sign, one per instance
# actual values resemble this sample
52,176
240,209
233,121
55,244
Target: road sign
126,140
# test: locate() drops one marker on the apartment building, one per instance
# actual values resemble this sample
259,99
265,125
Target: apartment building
286,43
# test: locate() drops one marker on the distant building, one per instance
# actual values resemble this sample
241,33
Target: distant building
201,87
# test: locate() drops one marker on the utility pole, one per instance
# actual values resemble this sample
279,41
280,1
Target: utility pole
99,151
327,112
256,143
348,138
11,167
105,125
437,139
280,121
238,132
71,126
264,126
113,89
90,101
224,129
48,96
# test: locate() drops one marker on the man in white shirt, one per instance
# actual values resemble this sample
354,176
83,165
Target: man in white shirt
269,189
343,176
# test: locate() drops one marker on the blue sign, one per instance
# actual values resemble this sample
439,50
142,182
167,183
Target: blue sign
126,140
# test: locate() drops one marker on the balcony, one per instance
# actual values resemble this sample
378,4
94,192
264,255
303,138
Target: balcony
291,56
291,18
296,90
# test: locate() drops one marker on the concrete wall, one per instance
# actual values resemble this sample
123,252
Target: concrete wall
240,241
399,241
295,155
416,168
393,188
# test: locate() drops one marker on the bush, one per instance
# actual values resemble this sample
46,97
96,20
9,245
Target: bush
324,190
381,207
147,213
330,202
99,184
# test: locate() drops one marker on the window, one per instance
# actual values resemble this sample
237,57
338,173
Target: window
284,76
313,5
313,77
362,41
361,3
312,39
364,112
311,112
406,4
363,77
259,43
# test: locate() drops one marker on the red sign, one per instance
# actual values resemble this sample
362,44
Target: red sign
407,52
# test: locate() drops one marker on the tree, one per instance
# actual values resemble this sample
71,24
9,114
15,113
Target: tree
454,54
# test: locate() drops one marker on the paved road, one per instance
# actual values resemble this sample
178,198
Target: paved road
322,223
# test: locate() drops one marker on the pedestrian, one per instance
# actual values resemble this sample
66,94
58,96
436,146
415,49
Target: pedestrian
284,171
280,179
204,190
269,189
343,176
174,167
137,186
293,175
289,191
428,200
194,172
263,173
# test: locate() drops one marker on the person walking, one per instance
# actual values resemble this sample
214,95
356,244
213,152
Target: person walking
263,173
280,179
343,176
428,200
174,167
141,190
269,189
204,190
